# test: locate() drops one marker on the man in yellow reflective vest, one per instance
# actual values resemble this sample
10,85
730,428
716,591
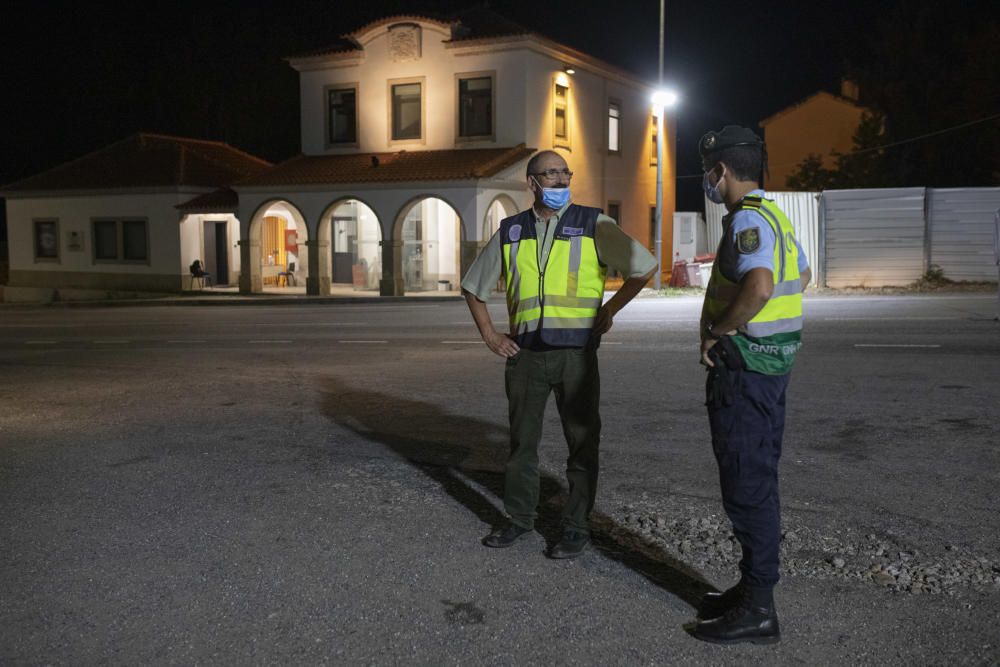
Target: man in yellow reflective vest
751,326
554,259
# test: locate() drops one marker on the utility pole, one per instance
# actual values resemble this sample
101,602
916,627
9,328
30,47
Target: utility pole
658,223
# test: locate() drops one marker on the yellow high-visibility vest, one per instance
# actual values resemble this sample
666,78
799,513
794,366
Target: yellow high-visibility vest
769,341
555,304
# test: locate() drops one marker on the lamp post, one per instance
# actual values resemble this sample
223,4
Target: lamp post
662,100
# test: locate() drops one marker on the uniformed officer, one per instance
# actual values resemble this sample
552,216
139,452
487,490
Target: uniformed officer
554,258
751,325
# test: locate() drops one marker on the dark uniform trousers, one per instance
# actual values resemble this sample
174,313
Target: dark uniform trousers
746,438
572,374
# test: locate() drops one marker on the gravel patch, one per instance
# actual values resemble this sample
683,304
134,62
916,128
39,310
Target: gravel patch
704,540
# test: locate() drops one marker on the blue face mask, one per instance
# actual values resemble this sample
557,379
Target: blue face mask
711,191
554,198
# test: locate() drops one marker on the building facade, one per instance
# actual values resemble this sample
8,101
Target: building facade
108,221
416,132
415,137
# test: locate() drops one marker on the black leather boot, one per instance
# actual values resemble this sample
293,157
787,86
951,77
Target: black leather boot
501,538
714,605
753,619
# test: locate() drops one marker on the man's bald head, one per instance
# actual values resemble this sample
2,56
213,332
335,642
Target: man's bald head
543,160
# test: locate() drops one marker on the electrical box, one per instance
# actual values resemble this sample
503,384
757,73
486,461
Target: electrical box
690,235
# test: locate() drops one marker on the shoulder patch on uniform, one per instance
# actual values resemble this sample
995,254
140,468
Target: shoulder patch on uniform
748,241
751,202
514,232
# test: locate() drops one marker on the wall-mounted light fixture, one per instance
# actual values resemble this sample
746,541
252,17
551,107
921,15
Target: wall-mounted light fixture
569,70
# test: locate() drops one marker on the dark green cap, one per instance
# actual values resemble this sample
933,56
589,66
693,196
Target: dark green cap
729,136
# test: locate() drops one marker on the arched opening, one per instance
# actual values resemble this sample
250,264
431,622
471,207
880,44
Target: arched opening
431,234
501,207
355,236
279,259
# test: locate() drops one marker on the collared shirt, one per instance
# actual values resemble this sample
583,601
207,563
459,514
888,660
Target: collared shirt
614,247
763,256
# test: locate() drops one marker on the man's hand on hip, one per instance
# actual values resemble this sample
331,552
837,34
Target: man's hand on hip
501,344
604,320
706,345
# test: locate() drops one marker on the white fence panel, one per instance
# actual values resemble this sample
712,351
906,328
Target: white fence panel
961,228
874,237
802,208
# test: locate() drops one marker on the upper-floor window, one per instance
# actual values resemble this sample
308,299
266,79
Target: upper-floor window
614,127
475,106
46,240
407,110
561,120
121,240
342,115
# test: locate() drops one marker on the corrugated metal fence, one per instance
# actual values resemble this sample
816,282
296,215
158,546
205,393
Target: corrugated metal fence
888,236
873,237
961,231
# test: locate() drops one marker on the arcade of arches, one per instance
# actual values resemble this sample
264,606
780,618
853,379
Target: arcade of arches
426,252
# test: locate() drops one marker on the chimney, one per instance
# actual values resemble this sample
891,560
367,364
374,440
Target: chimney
849,89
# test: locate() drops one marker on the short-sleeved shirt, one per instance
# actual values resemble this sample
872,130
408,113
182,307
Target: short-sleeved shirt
614,247
763,256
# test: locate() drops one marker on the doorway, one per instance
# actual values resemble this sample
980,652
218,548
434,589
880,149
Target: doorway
221,254
217,251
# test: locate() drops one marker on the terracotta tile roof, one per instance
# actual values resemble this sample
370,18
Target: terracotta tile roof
223,200
148,160
404,166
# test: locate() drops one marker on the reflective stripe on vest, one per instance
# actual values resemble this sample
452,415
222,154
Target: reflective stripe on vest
563,299
769,340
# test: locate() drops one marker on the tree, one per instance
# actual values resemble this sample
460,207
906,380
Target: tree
863,167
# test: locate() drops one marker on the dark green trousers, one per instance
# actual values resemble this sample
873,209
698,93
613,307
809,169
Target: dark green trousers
571,374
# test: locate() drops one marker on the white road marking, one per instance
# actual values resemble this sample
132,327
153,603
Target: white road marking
309,324
39,342
265,342
461,342
185,341
611,342
881,319
362,342
891,345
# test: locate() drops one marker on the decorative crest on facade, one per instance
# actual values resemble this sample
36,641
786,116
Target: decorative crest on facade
404,42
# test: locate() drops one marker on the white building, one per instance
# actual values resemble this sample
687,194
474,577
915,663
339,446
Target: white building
108,221
415,137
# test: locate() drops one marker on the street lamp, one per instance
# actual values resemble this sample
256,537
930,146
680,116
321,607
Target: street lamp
663,99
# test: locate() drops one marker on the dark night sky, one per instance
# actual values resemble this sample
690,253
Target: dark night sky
77,76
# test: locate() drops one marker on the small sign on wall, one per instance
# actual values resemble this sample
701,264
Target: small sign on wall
75,241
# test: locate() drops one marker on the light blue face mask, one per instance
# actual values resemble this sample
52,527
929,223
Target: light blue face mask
554,198
711,191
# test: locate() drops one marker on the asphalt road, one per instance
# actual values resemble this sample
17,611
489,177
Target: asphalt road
309,485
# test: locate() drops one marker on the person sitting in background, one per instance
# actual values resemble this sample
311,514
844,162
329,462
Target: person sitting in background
289,275
198,272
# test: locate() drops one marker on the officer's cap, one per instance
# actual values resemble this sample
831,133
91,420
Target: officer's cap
729,136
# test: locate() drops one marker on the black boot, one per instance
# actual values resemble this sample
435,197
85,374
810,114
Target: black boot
752,619
714,605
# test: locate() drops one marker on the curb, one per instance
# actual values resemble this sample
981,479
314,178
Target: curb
232,301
